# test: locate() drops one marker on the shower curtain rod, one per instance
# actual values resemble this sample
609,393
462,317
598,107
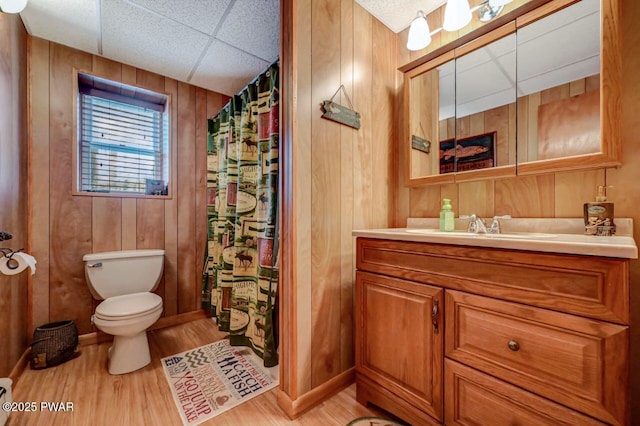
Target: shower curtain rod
277,61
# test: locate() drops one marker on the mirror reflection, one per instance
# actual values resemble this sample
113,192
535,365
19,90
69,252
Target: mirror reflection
432,103
559,84
485,107
533,95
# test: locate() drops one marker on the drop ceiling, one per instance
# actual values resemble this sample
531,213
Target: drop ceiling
220,45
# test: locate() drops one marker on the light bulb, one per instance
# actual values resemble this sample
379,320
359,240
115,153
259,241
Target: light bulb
419,35
12,6
457,14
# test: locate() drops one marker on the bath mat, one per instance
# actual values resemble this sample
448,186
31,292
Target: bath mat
373,421
214,378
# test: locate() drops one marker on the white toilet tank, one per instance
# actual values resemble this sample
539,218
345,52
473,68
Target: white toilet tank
115,273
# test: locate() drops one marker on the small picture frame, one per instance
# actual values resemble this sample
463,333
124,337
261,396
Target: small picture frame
472,153
155,187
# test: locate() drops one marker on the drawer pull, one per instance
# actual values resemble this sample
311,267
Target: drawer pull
514,346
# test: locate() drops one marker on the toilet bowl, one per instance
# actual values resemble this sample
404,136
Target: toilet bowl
124,281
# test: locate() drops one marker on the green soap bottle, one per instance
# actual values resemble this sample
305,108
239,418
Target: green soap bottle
447,218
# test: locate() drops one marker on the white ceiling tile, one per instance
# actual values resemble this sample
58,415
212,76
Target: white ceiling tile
397,15
226,70
135,36
202,15
253,26
73,23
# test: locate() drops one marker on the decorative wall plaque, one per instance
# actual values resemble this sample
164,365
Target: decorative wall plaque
339,113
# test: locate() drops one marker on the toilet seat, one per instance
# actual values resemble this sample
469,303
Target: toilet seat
128,306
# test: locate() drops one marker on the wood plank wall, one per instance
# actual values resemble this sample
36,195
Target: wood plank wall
557,194
342,176
64,227
13,184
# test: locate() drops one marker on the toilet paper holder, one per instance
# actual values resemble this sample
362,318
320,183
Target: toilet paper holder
8,253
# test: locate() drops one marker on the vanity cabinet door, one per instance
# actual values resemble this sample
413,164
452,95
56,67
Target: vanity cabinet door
399,352
577,362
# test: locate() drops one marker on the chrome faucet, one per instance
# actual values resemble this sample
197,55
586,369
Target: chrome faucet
494,228
476,224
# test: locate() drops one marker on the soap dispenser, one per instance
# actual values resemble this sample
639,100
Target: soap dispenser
598,215
447,219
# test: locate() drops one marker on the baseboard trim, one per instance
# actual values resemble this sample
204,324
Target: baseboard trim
93,338
100,337
20,366
179,319
302,404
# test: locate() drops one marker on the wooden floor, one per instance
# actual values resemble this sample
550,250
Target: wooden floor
144,398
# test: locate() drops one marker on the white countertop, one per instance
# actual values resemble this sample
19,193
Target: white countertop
546,235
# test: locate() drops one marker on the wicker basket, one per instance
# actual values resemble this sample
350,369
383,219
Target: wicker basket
53,344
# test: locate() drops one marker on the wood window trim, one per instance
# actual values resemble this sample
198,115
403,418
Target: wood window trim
171,140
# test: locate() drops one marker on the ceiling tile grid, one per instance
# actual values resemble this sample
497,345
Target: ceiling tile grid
231,68
220,45
201,15
136,36
239,28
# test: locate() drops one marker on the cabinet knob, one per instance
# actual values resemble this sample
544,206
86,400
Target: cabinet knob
513,345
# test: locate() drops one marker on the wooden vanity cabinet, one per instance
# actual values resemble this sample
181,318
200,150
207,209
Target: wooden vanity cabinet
466,335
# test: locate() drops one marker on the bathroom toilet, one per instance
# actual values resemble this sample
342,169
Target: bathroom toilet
124,281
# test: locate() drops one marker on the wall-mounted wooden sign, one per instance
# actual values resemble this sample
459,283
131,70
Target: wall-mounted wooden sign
339,113
421,144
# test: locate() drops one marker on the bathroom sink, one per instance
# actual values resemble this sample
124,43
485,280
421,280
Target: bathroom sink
510,235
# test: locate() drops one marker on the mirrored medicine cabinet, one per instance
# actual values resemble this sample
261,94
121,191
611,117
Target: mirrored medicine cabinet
539,94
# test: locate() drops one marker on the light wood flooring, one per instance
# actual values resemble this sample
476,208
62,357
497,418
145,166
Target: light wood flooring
144,398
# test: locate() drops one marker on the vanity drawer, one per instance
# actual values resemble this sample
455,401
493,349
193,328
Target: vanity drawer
577,362
474,398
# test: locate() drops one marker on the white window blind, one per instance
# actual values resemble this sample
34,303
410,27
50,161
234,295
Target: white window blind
123,144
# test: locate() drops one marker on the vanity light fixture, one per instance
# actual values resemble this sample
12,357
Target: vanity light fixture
12,6
490,9
419,36
457,14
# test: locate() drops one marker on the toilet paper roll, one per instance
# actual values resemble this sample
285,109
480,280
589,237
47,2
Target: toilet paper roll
24,260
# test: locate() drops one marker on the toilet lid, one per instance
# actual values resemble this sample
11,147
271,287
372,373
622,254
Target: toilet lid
128,305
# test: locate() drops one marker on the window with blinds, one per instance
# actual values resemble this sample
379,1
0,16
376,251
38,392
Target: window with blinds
123,138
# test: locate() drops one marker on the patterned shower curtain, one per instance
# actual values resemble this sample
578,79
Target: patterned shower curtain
241,273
